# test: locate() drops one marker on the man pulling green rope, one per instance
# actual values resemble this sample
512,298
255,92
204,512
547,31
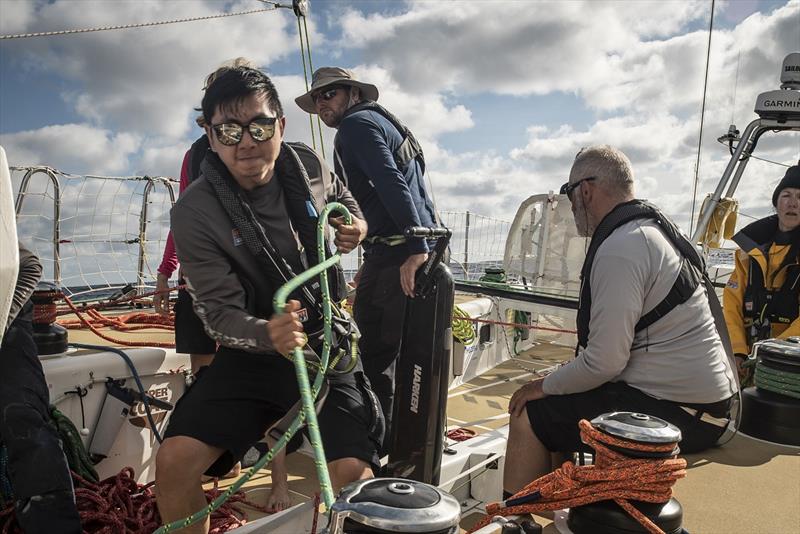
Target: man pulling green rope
251,221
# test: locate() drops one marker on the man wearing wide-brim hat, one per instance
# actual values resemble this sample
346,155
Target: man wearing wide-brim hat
382,164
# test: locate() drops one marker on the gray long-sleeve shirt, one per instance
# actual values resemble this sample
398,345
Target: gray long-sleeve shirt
679,357
30,272
221,274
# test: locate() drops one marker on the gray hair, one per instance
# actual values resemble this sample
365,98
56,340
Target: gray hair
609,165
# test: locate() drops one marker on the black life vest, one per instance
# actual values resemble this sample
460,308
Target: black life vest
691,274
197,153
409,149
762,307
294,164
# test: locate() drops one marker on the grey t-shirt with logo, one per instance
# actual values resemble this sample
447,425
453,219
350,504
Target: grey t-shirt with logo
222,275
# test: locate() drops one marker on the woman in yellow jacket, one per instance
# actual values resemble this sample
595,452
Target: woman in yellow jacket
762,296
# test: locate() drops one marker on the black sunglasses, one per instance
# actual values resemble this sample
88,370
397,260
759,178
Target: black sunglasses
327,94
568,188
230,133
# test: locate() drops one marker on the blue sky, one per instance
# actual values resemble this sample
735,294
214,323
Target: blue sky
502,94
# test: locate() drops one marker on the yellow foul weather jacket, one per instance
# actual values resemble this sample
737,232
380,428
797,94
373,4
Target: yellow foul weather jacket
762,297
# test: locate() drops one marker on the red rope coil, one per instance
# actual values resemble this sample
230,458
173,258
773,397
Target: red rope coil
461,434
120,505
613,476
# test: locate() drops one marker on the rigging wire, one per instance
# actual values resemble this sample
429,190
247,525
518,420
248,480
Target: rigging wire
732,150
311,69
275,6
736,84
702,118
305,76
308,69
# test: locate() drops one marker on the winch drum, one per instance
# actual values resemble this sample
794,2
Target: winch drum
394,505
607,517
769,415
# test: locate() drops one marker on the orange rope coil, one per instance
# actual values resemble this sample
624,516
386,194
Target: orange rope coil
613,476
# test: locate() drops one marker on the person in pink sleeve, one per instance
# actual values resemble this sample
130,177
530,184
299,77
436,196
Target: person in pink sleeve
190,334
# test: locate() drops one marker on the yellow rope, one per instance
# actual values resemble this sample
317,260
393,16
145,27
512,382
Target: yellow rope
463,330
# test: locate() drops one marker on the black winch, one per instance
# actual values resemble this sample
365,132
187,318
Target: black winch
639,428
394,505
50,337
771,409
607,517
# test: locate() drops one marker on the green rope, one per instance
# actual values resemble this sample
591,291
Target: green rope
279,304
77,457
520,317
493,275
463,329
307,394
781,382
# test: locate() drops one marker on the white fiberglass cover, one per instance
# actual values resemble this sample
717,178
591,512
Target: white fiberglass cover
543,248
9,253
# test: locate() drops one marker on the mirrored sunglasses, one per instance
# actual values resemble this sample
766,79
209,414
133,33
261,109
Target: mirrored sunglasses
230,133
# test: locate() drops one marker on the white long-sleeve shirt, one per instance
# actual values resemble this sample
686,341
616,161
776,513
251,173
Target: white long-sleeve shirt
679,357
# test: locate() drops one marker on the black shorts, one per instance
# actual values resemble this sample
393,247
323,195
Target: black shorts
190,334
242,394
554,419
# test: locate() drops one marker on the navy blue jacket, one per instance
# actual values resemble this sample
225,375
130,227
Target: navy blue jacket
390,199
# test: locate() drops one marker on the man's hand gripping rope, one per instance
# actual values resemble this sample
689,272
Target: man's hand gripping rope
291,342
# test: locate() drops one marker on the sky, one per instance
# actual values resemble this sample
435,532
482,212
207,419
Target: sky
502,94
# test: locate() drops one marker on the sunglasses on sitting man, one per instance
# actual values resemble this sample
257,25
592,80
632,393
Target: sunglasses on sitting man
231,133
568,188
326,94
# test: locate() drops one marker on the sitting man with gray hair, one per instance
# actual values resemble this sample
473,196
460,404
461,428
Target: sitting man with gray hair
647,338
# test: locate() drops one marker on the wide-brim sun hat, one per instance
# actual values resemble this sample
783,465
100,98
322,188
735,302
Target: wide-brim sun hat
325,76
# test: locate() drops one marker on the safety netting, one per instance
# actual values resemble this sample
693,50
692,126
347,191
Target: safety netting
94,235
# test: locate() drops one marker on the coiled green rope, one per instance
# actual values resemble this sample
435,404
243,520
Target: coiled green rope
77,456
463,329
307,394
781,382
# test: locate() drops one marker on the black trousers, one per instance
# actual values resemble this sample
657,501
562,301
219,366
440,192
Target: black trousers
379,310
37,467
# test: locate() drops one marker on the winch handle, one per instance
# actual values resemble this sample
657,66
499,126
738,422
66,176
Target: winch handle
424,231
423,281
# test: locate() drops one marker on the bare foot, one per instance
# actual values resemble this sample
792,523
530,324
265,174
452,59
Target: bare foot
278,499
235,470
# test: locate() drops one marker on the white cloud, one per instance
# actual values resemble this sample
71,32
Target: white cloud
616,59
147,80
426,114
72,146
635,66
161,159
17,16
511,47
